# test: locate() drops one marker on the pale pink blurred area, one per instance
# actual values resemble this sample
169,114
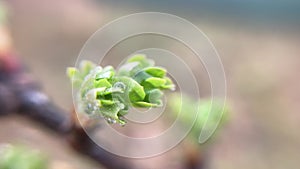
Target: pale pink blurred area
261,61
75,15
52,33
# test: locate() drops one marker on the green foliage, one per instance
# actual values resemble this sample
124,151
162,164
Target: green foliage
110,93
186,105
3,12
17,157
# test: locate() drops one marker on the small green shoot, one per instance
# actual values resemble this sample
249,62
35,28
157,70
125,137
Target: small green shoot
110,93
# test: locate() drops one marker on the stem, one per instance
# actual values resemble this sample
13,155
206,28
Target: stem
20,93
195,156
83,144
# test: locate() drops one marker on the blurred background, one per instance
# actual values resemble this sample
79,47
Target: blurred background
258,42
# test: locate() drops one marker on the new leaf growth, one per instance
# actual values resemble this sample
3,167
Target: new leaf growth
110,93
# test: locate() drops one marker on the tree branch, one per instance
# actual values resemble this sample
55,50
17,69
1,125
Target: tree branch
21,94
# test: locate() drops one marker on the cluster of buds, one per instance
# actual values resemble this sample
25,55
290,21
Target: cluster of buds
110,93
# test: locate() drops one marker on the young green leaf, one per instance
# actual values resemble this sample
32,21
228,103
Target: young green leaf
19,157
189,107
156,71
105,92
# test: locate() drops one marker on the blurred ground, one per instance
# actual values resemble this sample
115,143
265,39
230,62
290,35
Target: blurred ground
261,63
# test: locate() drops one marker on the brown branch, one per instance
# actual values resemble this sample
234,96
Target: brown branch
20,93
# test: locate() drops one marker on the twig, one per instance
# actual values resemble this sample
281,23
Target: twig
20,93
